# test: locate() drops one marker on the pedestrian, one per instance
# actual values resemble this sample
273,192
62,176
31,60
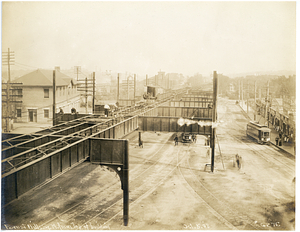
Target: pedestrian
61,111
277,139
237,160
193,137
141,144
240,162
208,140
176,140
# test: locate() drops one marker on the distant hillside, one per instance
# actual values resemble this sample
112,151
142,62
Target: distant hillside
277,73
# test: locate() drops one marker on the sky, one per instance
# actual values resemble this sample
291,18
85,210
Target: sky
146,37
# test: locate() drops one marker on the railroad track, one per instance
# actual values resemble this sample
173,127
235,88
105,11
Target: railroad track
257,149
141,187
145,177
271,158
224,213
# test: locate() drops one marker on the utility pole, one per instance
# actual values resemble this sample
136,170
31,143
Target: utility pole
128,88
8,93
54,100
125,185
86,95
247,97
259,94
267,101
146,79
242,94
8,59
214,117
268,90
118,88
77,69
88,87
134,86
239,91
94,86
255,101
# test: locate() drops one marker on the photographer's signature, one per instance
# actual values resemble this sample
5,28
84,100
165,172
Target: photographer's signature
197,226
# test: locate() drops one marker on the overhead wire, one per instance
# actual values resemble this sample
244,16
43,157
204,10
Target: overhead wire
26,65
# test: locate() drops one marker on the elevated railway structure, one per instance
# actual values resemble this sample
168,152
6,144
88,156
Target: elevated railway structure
31,160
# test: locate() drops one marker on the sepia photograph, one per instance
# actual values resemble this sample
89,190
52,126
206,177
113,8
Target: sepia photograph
148,115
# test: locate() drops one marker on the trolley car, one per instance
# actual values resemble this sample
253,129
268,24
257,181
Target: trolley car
259,132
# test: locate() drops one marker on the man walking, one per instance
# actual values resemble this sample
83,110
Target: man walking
176,140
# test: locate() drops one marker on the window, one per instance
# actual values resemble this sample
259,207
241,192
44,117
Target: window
46,93
19,92
46,113
19,113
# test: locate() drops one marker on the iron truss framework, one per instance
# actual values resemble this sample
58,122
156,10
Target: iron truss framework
31,159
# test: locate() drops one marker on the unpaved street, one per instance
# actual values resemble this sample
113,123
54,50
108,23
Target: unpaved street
170,188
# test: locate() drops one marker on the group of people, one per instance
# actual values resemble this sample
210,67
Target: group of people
73,111
282,136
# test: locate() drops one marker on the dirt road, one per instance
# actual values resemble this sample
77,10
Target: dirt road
170,188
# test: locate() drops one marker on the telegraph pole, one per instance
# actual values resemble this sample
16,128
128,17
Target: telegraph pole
134,86
77,69
88,87
93,109
128,88
247,97
214,117
239,91
255,101
267,101
86,95
125,185
8,59
54,100
8,93
146,79
118,88
259,94
242,94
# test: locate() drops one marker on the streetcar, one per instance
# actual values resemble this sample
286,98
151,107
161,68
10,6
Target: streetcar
259,132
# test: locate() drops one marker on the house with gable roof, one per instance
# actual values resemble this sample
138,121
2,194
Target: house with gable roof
37,95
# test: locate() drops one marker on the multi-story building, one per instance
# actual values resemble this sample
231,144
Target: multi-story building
37,95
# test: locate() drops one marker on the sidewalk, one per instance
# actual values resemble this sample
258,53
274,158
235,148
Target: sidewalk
288,147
